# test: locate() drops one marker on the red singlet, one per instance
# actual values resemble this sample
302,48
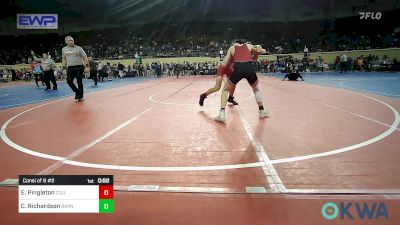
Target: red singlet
242,54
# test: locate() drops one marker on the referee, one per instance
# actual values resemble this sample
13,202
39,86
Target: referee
76,61
47,65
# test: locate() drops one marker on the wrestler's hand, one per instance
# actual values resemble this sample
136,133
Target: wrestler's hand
260,49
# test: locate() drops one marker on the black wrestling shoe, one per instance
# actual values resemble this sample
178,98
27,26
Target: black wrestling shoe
202,97
230,99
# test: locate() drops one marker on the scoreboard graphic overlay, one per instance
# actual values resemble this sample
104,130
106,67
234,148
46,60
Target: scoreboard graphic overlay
66,194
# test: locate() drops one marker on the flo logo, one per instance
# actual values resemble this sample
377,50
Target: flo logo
351,210
370,15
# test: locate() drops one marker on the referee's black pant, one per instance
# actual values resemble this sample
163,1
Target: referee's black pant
49,76
72,73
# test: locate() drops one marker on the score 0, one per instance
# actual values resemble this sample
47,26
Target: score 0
106,201
106,191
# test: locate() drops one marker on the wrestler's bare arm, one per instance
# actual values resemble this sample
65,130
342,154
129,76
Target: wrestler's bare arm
228,57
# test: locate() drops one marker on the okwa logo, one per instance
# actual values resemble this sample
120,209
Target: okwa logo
351,210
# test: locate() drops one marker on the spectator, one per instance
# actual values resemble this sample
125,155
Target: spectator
343,63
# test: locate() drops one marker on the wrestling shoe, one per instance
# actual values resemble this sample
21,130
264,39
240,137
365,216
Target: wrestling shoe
202,97
263,113
221,116
230,99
